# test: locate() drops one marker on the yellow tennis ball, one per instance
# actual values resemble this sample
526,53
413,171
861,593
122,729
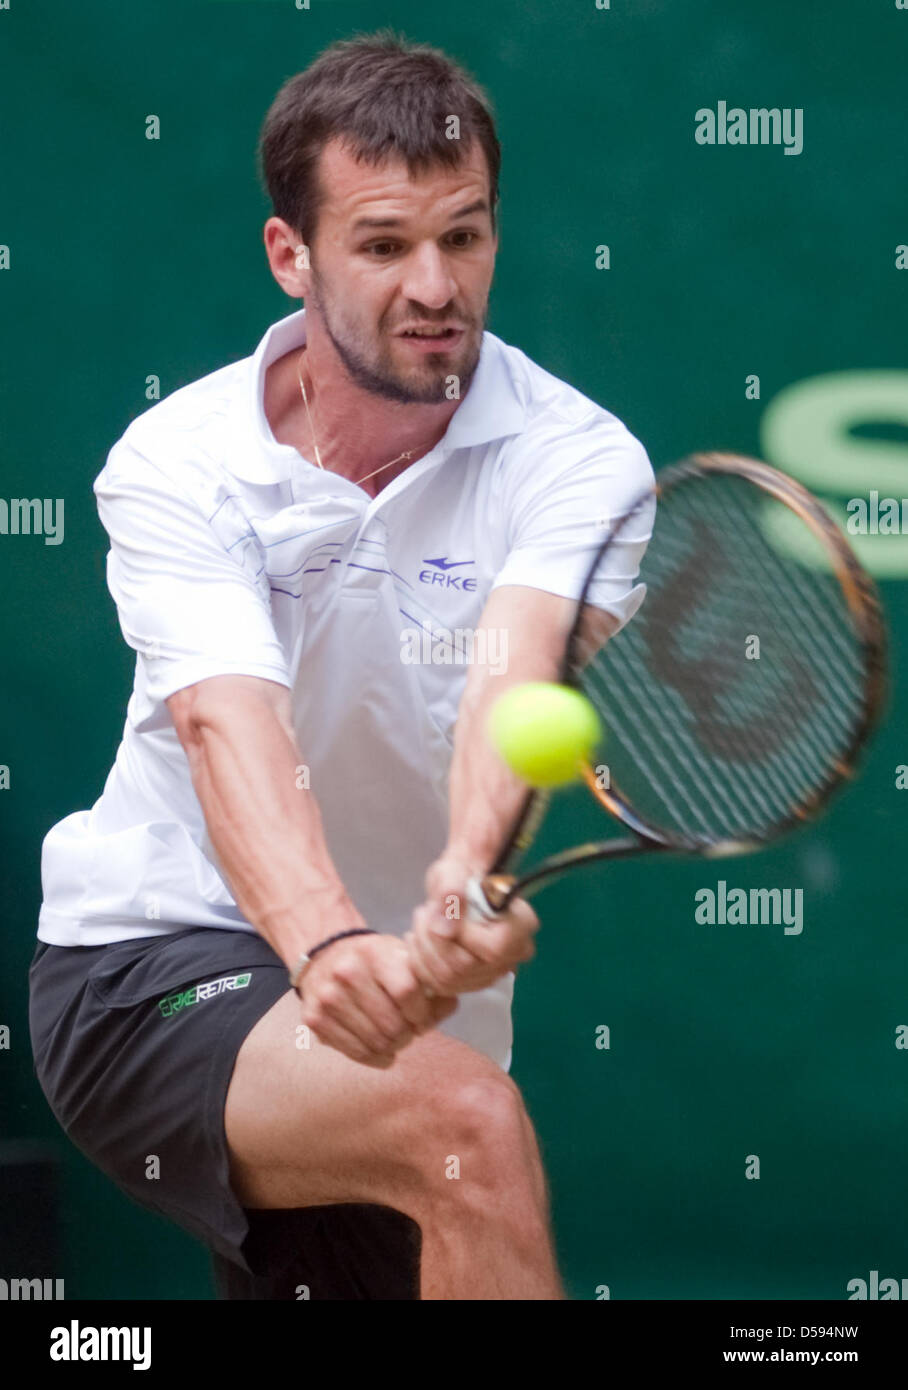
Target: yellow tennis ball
544,731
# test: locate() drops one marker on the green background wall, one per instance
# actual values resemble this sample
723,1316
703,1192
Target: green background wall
131,257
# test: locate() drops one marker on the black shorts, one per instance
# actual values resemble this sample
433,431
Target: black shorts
134,1045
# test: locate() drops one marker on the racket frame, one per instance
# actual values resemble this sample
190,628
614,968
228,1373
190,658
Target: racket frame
489,896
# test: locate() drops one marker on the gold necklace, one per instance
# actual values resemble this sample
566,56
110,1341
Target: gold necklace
318,458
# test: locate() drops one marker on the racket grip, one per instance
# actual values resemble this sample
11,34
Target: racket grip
479,908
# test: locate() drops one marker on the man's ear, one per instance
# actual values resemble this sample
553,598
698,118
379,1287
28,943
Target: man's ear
288,256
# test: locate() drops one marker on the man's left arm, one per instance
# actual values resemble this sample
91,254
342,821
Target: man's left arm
554,500
452,954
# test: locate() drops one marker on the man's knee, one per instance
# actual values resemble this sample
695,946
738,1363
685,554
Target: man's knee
476,1131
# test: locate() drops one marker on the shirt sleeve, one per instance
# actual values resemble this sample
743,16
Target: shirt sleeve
559,506
187,604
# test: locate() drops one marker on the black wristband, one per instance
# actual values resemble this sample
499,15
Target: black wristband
295,976
339,936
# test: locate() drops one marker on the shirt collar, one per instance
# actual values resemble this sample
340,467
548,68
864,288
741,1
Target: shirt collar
490,410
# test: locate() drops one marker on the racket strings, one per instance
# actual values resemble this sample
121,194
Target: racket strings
831,631
657,737
833,716
660,738
734,694
649,738
782,776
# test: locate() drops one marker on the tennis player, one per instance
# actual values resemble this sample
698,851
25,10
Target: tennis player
256,1001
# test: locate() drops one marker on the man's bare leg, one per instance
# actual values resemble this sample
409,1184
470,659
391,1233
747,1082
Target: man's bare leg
442,1135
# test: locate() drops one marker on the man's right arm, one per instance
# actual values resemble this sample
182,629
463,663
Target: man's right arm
361,995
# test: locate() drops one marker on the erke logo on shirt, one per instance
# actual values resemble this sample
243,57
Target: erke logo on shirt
440,575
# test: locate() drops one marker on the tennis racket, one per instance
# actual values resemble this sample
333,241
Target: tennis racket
738,698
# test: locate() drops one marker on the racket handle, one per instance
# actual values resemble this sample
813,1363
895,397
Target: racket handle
486,899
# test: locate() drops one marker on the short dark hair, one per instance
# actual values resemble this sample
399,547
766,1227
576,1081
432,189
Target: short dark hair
384,97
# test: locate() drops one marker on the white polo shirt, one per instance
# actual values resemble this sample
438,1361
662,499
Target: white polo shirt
231,554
